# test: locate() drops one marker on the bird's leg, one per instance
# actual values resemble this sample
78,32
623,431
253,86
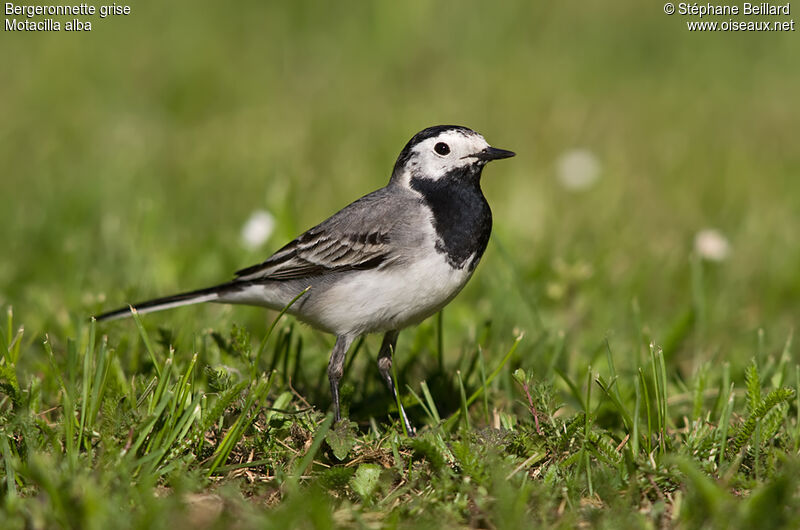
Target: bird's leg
385,368
336,369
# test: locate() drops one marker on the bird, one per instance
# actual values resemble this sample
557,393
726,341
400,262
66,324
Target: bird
387,261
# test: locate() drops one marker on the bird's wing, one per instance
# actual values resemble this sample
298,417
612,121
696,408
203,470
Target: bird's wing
317,252
361,236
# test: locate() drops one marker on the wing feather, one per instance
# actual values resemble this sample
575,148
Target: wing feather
299,260
364,235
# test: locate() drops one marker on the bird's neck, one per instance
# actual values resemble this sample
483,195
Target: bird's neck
461,215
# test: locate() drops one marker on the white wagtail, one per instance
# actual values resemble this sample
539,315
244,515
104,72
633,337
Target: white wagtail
389,260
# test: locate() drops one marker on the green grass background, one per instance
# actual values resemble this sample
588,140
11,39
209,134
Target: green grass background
132,156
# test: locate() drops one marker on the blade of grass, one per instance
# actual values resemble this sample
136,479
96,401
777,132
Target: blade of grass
664,411
724,423
573,388
482,368
147,391
147,428
701,379
422,404
244,421
100,379
263,345
616,401
8,461
463,394
308,458
145,339
454,417
397,400
778,378
440,340
9,327
587,410
171,436
164,377
431,403
636,417
797,408
648,412
87,370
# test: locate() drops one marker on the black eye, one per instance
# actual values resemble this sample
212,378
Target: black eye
441,148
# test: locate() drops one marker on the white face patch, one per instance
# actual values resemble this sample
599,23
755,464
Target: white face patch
436,156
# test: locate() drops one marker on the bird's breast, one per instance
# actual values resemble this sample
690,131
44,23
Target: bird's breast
391,297
460,214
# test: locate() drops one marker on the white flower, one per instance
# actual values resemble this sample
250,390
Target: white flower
712,245
578,169
257,229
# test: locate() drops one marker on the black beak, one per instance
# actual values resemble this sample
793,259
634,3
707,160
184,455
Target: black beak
493,153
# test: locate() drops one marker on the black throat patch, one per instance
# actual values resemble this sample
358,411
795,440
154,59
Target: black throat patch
461,215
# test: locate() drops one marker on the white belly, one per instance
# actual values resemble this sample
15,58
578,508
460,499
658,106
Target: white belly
381,300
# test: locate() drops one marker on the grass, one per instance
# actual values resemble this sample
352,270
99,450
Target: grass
85,441
596,371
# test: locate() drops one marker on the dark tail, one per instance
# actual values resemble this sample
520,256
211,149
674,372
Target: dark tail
208,294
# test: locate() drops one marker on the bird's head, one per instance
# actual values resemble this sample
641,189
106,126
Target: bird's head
443,150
